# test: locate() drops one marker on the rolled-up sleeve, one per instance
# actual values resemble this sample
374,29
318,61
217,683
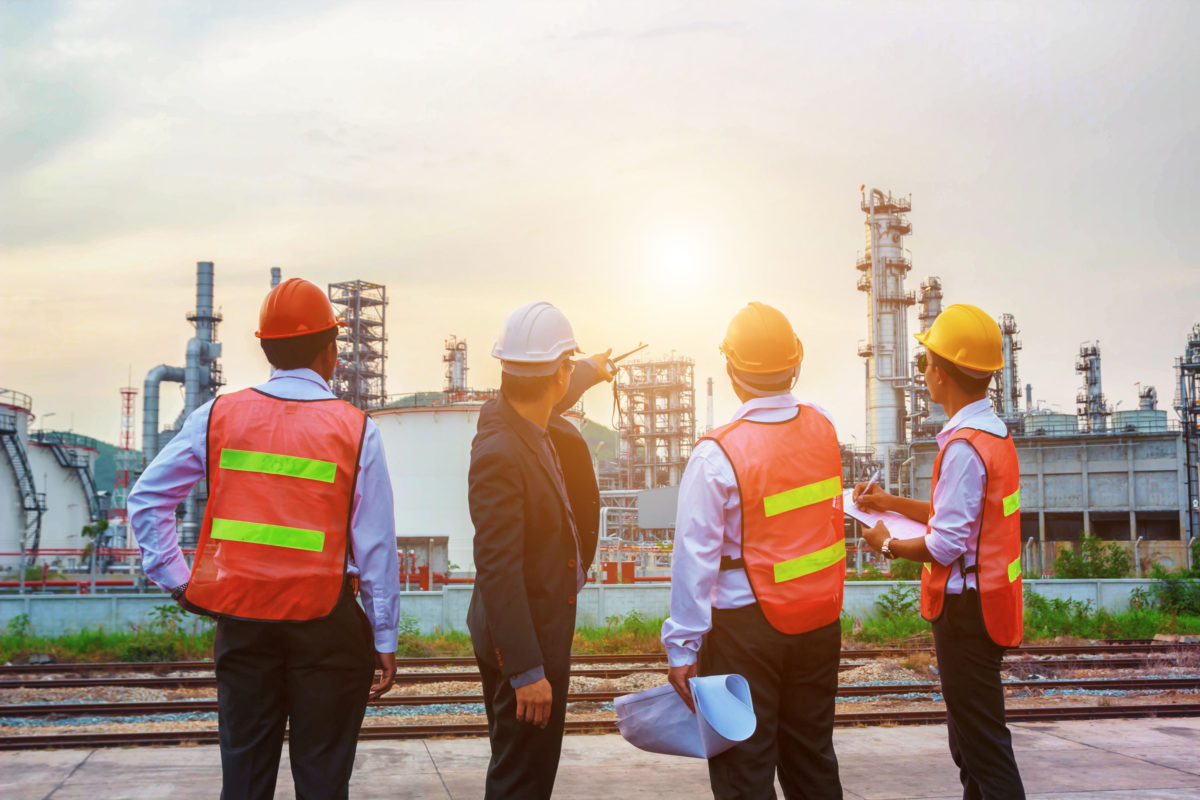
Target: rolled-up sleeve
373,541
957,501
163,485
696,563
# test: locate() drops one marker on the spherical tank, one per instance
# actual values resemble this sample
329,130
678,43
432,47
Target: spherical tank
428,450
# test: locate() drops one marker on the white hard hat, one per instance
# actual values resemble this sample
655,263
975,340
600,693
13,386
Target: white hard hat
535,338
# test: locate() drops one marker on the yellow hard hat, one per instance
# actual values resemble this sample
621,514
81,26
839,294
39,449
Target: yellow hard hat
761,341
965,336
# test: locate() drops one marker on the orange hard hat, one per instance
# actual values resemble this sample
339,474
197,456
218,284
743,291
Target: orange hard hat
295,307
761,341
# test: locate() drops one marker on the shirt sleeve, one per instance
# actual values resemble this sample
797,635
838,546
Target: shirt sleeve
163,485
527,677
957,501
704,493
373,541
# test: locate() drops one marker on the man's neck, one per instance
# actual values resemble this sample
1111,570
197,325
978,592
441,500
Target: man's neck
955,404
537,411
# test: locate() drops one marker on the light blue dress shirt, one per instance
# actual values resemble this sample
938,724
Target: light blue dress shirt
181,464
958,496
708,525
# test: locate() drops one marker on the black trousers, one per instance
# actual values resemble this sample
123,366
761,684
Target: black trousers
524,757
969,666
793,681
314,675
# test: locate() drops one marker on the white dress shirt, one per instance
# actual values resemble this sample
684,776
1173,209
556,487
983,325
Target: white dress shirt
958,496
708,525
181,464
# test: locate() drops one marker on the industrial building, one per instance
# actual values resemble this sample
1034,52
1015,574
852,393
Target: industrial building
1119,475
360,376
47,492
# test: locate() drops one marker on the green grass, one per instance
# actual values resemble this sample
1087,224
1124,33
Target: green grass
175,636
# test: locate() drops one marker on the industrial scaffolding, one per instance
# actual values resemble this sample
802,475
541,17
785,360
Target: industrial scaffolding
362,343
656,403
1187,403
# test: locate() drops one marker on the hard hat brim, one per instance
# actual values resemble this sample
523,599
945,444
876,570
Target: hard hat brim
337,324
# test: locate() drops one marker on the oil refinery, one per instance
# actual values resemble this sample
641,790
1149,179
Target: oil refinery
1120,475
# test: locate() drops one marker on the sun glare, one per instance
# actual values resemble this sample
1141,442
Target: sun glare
677,258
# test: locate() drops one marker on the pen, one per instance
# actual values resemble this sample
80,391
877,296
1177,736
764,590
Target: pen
870,483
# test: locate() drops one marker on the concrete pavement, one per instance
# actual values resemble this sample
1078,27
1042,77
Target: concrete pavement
1110,759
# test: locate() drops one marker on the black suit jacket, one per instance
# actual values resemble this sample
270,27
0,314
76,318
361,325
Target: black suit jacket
522,611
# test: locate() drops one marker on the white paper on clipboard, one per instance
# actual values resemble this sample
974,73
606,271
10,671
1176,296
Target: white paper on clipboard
898,525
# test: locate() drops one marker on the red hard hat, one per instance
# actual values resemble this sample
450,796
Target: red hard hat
295,307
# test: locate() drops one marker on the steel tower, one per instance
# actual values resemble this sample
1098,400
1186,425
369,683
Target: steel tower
362,344
884,267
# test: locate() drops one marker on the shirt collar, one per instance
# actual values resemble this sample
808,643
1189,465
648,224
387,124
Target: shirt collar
302,374
785,400
966,414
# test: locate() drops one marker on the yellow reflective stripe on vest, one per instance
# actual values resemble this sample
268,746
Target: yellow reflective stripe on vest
813,562
1012,502
275,464
928,567
272,535
1014,570
802,496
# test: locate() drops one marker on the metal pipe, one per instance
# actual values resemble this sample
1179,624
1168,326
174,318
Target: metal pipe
1137,557
1187,556
1028,548
154,379
858,546
275,276
204,300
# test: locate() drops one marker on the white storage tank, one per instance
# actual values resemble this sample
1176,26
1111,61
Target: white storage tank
427,441
1051,425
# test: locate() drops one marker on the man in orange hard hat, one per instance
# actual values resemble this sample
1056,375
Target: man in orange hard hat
971,581
299,503
759,565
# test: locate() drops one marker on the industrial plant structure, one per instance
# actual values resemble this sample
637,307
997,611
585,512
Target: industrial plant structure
359,377
1119,475
427,441
656,403
47,492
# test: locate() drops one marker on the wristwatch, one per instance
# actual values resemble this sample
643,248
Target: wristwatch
886,548
178,591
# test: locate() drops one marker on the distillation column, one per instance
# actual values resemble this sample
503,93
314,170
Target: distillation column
1092,408
1008,393
884,267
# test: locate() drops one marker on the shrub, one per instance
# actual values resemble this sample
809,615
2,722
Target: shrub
899,601
1095,560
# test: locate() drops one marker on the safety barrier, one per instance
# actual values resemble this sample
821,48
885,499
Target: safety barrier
446,609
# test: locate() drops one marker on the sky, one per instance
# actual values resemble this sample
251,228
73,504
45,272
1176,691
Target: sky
647,167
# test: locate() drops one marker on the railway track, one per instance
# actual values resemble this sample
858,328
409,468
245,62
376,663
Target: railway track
1029,651
135,709
411,678
144,739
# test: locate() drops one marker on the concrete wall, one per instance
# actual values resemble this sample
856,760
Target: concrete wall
447,610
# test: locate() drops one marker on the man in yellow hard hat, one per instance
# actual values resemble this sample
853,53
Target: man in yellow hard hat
299,503
759,565
971,581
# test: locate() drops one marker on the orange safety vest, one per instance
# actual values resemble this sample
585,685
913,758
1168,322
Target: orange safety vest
281,477
998,556
789,475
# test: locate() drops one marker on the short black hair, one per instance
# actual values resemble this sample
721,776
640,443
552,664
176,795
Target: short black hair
525,388
297,352
969,384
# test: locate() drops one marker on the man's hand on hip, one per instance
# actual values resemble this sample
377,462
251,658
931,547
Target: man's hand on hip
533,703
386,664
678,677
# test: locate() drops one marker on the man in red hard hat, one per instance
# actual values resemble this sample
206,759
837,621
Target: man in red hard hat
759,566
299,503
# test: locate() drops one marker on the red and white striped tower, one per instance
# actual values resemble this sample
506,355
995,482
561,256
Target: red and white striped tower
127,460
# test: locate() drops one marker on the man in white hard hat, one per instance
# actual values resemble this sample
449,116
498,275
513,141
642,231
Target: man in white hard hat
535,506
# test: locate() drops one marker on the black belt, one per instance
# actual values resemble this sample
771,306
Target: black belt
732,563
